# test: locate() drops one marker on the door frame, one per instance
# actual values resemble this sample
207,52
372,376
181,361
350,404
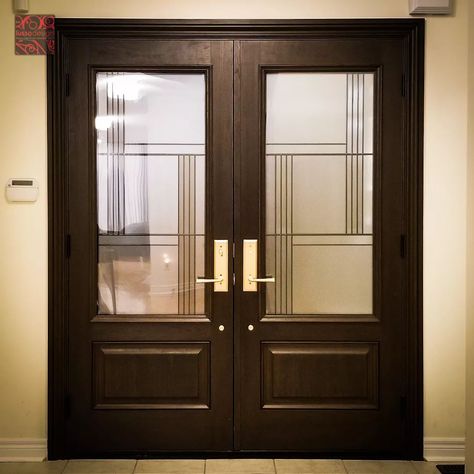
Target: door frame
410,31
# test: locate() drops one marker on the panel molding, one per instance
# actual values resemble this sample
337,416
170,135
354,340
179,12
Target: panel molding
22,449
114,393
444,449
367,399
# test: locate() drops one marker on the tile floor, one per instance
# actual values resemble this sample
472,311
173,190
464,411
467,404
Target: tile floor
222,466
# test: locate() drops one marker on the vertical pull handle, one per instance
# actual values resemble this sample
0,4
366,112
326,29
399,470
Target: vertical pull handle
221,276
251,265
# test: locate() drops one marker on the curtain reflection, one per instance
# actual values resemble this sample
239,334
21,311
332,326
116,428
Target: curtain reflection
150,193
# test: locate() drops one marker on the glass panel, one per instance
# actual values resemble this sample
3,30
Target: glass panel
319,180
150,192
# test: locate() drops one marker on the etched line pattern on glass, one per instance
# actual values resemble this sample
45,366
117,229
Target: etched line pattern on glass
319,180
150,192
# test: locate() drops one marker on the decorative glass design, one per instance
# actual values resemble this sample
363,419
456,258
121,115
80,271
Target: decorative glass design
150,192
319,193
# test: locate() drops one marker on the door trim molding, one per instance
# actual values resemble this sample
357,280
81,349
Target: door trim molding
410,31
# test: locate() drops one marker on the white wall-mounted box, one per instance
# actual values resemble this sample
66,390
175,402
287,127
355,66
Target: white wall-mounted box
21,6
22,190
431,7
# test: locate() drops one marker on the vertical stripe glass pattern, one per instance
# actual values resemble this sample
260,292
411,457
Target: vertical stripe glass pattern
151,176
319,181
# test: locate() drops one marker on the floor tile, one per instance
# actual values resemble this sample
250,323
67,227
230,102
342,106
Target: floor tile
175,466
309,466
424,467
379,467
237,466
100,467
51,467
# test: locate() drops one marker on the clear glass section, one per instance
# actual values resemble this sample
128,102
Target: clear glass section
150,192
319,198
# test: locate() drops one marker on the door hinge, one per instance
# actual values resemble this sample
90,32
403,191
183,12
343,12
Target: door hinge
67,405
403,406
403,245
233,279
67,245
404,85
66,85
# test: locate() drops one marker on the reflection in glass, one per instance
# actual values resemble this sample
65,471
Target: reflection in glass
150,192
319,180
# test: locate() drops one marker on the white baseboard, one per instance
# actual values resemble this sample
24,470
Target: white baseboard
22,449
444,449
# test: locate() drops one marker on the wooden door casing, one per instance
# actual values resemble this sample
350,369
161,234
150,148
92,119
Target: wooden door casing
70,33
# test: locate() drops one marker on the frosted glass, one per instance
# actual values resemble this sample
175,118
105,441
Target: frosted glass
332,279
319,193
306,108
150,192
315,178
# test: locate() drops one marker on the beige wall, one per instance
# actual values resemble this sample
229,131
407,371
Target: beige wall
470,258
23,239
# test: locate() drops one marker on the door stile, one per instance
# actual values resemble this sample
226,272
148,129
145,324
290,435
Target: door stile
238,261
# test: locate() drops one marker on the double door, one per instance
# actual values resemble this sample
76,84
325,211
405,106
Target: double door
235,279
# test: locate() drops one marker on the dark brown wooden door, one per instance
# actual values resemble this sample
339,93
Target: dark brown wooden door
321,190
149,191
298,145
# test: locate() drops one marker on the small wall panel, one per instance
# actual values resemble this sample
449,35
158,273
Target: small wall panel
151,375
320,375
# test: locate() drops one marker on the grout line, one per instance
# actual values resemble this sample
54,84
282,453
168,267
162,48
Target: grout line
274,466
135,467
426,462
205,466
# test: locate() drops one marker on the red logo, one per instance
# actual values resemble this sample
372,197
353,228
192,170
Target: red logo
34,34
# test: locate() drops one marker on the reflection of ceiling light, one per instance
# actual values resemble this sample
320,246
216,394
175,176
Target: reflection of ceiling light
103,122
127,86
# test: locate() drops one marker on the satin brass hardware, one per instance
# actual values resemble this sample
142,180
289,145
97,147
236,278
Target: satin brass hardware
221,328
250,266
209,280
268,279
220,279
250,327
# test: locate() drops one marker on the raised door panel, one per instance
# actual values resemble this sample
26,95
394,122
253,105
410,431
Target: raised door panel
151,375
320,375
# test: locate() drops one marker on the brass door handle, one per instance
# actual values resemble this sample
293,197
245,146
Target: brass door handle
250,267
209,280
221,274
267,279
